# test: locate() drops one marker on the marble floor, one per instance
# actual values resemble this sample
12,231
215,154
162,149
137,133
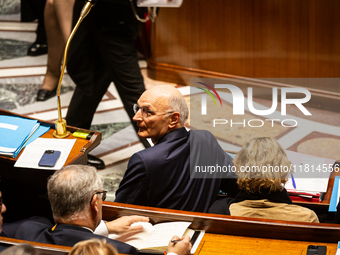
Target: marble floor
21,77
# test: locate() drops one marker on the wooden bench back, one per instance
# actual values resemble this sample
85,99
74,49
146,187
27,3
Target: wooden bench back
231,225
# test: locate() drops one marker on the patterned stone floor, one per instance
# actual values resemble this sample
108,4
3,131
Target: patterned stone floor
21,77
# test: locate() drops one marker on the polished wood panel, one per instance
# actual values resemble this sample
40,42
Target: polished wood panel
78,154
257,39
327,196
321,207
231,225
211,244
238,245
42,248
25,189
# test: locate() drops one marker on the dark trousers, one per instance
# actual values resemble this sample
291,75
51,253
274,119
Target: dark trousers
102,51
31,10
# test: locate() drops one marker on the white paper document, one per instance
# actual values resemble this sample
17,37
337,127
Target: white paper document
315,185
311,174
33,152
154,239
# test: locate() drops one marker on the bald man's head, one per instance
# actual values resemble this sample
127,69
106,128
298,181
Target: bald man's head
163,109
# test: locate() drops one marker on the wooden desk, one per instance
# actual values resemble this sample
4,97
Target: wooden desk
231,225
238,245
239,235
24,189
42,248
78,154
46,249
321,208
282,38
212,244
227,234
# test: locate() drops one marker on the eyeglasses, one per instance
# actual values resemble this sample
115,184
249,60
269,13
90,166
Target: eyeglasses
100,192
145,111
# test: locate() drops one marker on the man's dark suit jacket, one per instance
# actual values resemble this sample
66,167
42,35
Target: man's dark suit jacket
160,176
38,229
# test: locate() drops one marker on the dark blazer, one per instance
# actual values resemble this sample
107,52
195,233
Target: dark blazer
160,176
38,230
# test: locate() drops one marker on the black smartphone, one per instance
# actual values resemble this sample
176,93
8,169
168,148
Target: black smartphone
316,250
49,158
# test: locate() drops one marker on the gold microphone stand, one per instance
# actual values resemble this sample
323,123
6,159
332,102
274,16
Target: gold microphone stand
60,124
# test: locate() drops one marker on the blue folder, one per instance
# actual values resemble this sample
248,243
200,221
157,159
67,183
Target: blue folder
334,198
15,133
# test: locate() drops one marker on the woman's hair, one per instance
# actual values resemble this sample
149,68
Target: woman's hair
262,164
93,247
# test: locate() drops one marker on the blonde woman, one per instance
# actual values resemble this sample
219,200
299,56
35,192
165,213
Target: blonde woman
93,247
262,168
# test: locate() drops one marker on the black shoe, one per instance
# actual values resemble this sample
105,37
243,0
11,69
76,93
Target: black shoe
44,94
37,49
96,162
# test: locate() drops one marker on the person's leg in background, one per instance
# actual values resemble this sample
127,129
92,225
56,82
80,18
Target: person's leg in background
64,12
87,94
92,61
84,102
55,53
58,24
39,47
30,11
87,71
118,28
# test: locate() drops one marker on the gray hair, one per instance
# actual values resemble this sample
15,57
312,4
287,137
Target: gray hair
21,249
177,104
70,190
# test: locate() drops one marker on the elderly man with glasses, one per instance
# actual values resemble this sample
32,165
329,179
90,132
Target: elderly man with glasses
76,197
159,176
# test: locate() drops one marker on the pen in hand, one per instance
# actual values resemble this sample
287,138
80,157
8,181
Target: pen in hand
176,241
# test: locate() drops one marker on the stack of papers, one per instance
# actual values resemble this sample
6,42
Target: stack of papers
15,132
302,196
293,192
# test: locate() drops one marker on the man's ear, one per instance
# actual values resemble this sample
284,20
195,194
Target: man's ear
94,203
174,119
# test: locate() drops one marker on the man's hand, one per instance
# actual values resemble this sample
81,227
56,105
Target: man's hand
182,247
122,225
